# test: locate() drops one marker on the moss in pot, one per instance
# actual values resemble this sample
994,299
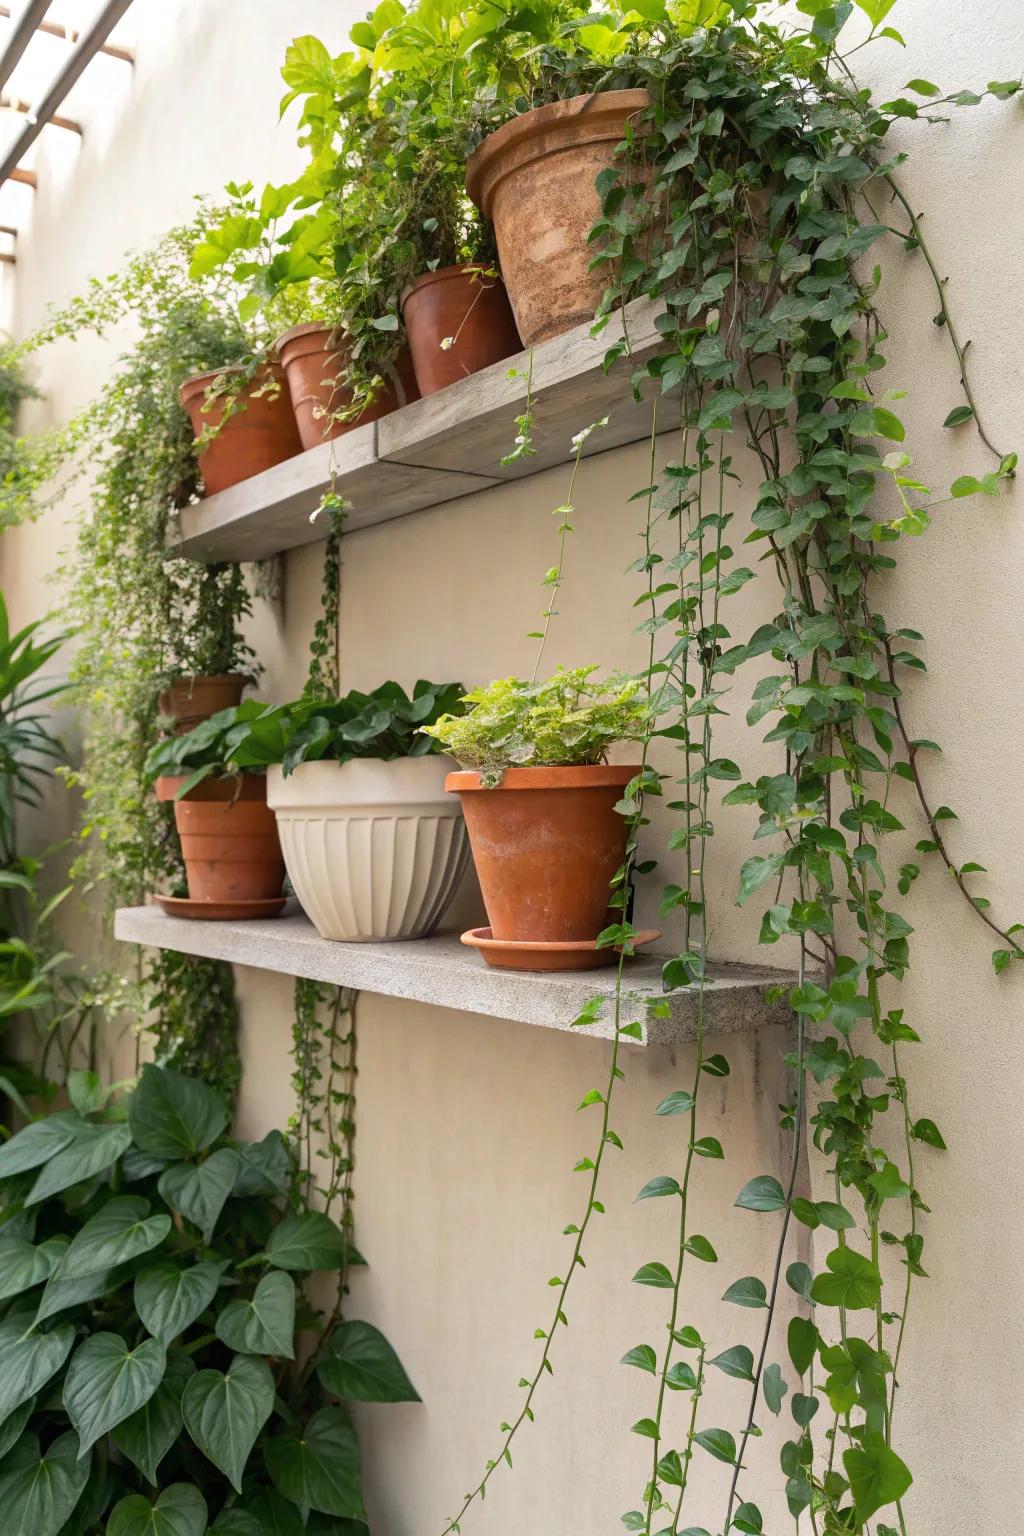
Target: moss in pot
540,800
374,847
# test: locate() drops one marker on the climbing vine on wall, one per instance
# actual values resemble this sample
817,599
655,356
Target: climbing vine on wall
751,201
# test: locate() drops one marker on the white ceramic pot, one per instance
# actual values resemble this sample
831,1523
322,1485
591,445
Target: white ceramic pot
375,850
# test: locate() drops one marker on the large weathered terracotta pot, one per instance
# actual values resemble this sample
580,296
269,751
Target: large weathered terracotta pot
228,838
188,701
462,305
313,358
535,180
375,850
256,434
547,843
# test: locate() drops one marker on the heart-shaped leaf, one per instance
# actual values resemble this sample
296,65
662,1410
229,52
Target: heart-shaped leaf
107,1382
122,1230
277,1517
361,1365
22,1265
37,1143
305,1241
147,1436
319,1466
59,1294
173,1116
94,1149
39,1492
225,1413
28,1359
200,1192
169,1298
264,1324
264,1168
12,1426
179,1511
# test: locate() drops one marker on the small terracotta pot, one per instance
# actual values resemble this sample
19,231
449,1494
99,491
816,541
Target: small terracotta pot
259,433
467,305
228,838
313,357
191,700
546,843
535,180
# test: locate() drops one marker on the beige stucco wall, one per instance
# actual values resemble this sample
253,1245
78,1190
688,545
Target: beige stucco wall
467,1127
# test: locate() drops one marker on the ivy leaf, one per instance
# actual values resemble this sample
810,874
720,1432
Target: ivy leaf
122,1230
737,1361
263,1168
95,1149
678,1103
361,1366
307,1240
174,1116
799,1279
225,1412
959,414
318,1467
749,1520
764,1193
877,1475
263,1324
774,1387
654,1274
852,1281
169,1297
719,1443
37,1143
654,1188
149,1433
803,1408
29,1359
200,1192
23,1265
701,1249
179,1511
756,872
39,1490
642,1356
108,1382
802,1338
928,1132
748,1292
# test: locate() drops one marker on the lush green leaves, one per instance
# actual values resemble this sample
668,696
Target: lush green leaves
179,1511
148,1434
762,1194
877,1475
852,1281
28,1359
307,1240
264,1323
173,1116
224,1412
122,1230
169,1296
318,1466
360,1365
39,1489
107,1382
201,1192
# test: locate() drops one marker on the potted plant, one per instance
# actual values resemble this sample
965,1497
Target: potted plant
228,834
373,846
215,664
540,800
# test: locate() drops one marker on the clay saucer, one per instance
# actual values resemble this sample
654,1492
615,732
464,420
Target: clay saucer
535,955
221,911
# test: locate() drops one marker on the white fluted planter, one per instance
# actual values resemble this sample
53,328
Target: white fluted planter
374,850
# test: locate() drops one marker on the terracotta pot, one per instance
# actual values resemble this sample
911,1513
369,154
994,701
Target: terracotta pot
374,849
228,838
535,180
546,844
313,357
259,433
190,700
463,303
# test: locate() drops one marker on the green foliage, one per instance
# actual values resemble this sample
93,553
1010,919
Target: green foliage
149,1335
568,719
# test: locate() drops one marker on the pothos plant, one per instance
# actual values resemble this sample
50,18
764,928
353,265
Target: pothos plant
163,1367
748,201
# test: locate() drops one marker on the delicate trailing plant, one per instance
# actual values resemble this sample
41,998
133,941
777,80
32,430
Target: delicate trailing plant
161,1363
568,719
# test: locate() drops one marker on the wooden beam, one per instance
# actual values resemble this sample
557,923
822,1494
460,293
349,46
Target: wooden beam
70,35
8,258
24,109
25,178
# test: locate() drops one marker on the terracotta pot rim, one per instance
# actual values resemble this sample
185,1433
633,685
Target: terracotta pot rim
307,328
168,784
189,679
611,106
579,776
191,385
449,274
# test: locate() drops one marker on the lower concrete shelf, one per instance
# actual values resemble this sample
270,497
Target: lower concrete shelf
443,972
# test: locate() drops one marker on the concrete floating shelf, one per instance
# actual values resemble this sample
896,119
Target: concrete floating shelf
441,448
443,972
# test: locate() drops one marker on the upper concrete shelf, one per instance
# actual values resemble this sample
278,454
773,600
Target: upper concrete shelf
440,448
443,972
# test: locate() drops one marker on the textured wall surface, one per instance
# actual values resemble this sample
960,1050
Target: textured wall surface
467,1128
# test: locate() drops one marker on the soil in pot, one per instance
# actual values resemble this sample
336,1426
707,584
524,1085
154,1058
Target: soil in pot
228,838
374,850
188,701
465,307
251,436
535,180
547,843
313,357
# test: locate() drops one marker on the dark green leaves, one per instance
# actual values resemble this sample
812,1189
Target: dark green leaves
225,1413
762,1194
148,1434
179,1511
642,1356
201,1192
173,1116
108,1382
748,1292
319,1465
28,1359
264,1324
39,1490
757,872
23,1265
37,1143
852,1281
122,1230
663,1185
654,1274
737,1361
361,1365
306,1240
719,1443
678,1103
169,1297
774,1387
95,1148
802,1338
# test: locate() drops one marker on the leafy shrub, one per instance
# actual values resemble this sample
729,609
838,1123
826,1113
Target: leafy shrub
151,1276
567,720
385,724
